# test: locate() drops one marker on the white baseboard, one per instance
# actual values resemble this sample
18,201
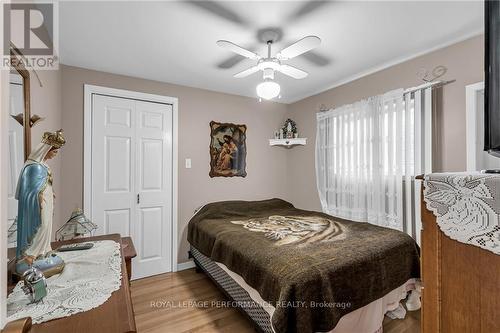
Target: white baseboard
185,265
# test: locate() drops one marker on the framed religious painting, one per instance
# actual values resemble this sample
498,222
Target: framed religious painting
228,150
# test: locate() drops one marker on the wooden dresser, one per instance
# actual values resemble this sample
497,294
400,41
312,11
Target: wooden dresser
461,282
116,315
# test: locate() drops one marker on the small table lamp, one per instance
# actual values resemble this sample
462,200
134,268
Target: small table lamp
77,225
12,232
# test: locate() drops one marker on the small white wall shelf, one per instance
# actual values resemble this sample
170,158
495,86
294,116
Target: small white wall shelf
288,143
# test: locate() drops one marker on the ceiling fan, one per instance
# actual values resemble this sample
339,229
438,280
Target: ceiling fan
269,89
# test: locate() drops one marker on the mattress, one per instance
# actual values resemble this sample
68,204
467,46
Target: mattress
367,319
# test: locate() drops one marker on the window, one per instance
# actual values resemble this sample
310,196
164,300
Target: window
367,155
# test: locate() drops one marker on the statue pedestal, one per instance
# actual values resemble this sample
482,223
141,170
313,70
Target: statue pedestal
50,265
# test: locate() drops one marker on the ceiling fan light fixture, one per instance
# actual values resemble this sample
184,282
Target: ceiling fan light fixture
269,63
268,74
268,89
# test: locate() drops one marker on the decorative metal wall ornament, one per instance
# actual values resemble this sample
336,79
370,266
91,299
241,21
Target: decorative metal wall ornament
227,150
322,108
436,73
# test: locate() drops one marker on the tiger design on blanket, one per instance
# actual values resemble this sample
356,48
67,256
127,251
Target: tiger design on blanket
298,230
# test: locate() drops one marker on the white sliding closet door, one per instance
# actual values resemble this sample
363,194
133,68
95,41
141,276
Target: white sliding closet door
132,177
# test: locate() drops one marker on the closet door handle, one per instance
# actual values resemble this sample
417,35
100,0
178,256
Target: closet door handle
138,198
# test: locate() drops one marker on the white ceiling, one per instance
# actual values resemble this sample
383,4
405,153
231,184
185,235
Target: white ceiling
175,41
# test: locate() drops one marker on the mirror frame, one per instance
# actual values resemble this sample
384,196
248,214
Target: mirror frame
21,69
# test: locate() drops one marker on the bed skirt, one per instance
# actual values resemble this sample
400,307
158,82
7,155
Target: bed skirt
247,300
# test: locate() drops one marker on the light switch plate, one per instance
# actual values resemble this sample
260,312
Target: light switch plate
188,163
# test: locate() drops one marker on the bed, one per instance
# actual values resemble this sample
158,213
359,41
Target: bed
293,270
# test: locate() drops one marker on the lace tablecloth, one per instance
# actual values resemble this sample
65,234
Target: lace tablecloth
466,207
88,279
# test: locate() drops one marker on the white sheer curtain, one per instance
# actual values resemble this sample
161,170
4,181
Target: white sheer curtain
367,155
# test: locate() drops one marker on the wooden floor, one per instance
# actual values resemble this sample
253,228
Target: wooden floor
181,302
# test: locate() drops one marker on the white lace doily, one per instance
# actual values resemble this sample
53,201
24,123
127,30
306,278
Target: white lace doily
88,279
466,207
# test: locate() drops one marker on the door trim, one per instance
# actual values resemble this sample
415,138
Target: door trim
90,90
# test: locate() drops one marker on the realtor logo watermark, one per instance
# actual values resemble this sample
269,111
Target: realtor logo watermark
30,29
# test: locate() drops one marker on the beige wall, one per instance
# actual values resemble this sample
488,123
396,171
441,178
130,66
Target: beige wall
465,64
265,165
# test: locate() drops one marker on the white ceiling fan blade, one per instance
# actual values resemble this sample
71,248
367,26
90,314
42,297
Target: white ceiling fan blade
292,71
237,49
302,46
246,72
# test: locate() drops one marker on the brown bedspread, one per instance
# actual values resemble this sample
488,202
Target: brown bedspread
312,267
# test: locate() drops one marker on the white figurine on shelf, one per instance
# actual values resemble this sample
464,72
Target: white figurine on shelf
289,133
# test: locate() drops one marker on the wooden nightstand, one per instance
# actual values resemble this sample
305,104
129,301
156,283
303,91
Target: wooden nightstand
114,315
128,253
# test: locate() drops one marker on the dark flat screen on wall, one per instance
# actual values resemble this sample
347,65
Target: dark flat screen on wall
492,78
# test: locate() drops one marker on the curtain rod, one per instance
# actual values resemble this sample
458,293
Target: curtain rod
435,84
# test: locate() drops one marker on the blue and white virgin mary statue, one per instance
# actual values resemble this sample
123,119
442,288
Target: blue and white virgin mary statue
36,209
